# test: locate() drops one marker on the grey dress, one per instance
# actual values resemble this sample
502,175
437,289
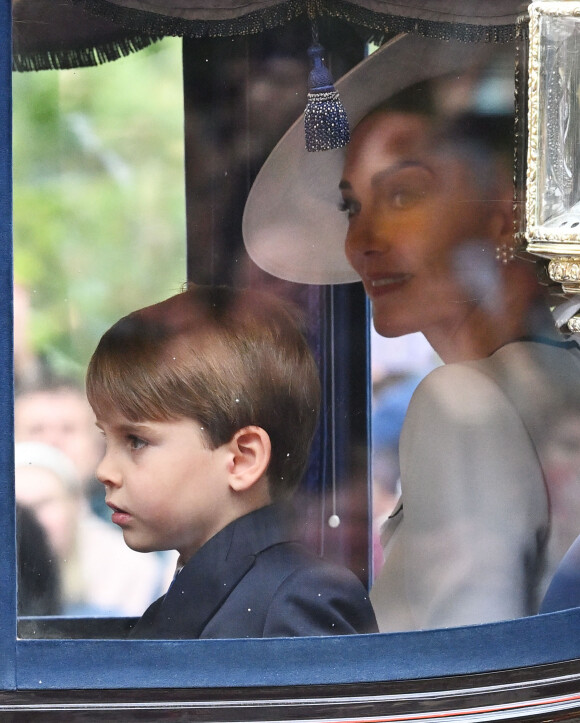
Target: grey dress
478,538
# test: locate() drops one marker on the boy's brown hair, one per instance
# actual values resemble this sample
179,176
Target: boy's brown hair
223,357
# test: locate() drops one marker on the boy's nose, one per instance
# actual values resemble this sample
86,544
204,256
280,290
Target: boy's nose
107,472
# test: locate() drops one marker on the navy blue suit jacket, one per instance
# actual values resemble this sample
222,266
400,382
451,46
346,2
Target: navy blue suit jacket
564,590
251,580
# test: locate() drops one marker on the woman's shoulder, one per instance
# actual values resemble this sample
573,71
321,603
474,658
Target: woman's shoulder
460,389
525,382
539,369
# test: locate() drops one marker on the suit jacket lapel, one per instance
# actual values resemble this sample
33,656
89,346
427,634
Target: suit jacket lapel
203,584
391,524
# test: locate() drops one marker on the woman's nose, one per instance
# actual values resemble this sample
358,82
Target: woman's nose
366,236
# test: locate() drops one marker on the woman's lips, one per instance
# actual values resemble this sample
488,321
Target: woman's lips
382,284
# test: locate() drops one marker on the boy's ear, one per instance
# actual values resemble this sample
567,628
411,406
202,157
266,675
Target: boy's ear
250,451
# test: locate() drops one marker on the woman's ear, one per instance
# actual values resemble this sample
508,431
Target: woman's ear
501,209
250,450
501,222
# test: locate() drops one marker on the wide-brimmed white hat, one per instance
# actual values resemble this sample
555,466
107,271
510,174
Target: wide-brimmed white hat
292,225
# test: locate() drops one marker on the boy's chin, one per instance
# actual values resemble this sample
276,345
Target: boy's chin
138,546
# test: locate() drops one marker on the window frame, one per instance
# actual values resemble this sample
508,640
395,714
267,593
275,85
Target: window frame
27,665
117,664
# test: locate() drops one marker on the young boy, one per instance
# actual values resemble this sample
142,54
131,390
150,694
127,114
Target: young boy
208,402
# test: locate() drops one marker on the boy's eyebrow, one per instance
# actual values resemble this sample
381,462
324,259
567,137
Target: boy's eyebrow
123,426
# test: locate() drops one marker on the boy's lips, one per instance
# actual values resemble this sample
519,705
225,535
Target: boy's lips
119,516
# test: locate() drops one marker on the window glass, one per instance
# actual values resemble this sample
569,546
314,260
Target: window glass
132,178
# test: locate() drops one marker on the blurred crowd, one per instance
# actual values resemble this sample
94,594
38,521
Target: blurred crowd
72,559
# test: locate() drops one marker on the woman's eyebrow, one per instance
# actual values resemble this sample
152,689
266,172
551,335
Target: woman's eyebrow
380,176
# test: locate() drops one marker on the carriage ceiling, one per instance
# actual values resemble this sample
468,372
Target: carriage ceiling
54,34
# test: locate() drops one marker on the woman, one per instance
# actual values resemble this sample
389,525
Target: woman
426,193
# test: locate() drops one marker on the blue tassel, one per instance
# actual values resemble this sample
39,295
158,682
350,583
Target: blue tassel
325,120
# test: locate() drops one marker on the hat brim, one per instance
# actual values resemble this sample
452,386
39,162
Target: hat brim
292,225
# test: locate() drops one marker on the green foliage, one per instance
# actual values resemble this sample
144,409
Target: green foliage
99,209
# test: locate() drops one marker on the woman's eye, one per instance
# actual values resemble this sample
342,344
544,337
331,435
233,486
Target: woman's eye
349,206
406,197
136,442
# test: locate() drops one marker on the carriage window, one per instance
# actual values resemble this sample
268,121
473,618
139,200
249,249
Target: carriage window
164,167
441,483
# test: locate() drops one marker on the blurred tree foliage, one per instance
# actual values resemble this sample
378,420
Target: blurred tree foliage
99,210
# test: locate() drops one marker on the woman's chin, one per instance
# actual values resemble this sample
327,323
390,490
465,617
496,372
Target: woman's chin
393,327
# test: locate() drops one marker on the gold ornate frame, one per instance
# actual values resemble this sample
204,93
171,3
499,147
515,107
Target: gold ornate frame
561,248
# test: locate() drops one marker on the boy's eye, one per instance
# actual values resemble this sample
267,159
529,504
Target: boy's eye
136,442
